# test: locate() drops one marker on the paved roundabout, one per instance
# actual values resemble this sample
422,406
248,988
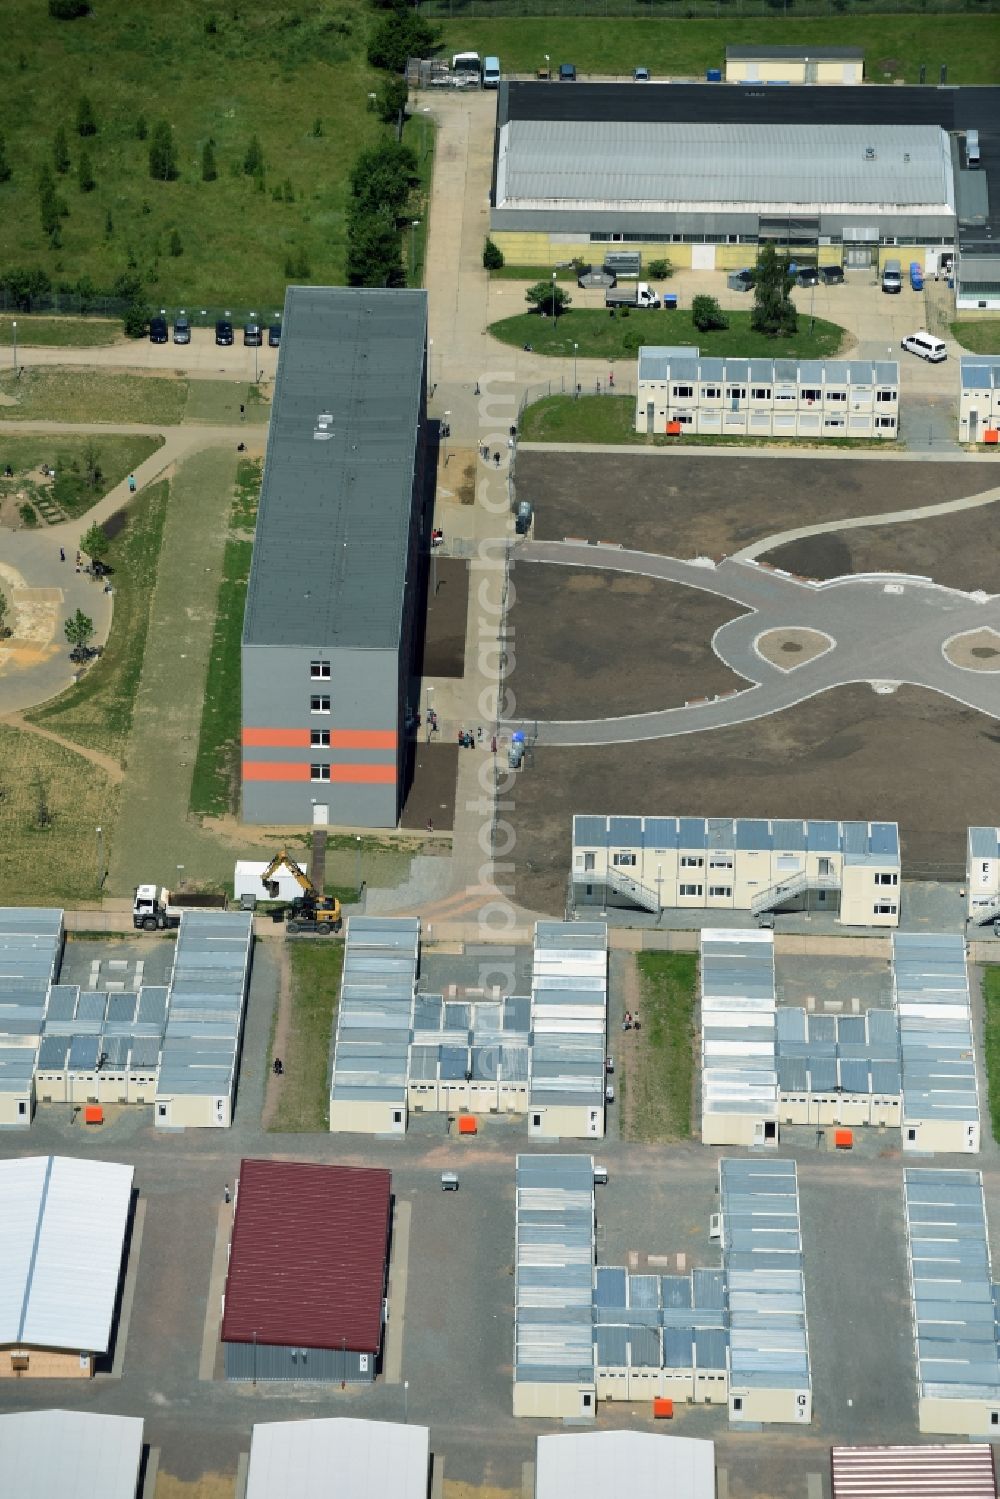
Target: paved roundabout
886,630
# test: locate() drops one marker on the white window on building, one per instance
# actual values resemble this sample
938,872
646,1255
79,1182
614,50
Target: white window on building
319,738
761,392
319,705
683,392
810,394
887,879
720,861
834,421
885,395
691,889
319,670
886,423
319,772
722,891
624,860
884,908
736,392
711,392
836,395
691,861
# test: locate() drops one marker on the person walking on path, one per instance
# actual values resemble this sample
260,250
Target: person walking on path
228,1196
62,554
132,484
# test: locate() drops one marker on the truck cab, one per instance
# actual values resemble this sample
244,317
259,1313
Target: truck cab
150,909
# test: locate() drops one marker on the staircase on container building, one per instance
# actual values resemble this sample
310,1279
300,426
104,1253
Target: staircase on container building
797,884
633,890
988,912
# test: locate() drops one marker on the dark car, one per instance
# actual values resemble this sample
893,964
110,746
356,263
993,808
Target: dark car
223,332
567,72
831,275
807,276
274,336
640,75
158,332
252,336
182,330
745,278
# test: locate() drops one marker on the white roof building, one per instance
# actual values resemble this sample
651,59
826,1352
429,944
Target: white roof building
644,1465
70,1453
64,1223
298,1460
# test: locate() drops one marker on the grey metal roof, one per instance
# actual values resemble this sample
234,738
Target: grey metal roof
569,998
207,995
738,1023
17,1067
860,842
763,168
762,1256
376,1012
984,843
931,992
643,1465
333,530
982,372
554,1269
807,54
295,1459
951,1285
75,1454
61,1250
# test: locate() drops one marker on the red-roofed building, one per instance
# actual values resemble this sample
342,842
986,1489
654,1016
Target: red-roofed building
308,1271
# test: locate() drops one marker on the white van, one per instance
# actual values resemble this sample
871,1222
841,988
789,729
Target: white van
892,277
491,72
972,157
926,346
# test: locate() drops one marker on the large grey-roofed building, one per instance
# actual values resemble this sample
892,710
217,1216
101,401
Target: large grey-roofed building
295,1459
335,579
72,1454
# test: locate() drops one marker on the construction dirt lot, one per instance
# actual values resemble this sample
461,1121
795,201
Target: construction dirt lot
956,550
707,505
589,643
447,608
913,757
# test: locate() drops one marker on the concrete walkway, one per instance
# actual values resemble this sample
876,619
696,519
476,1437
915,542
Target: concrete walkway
886,630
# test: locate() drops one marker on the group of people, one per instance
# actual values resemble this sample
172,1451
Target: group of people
630,1022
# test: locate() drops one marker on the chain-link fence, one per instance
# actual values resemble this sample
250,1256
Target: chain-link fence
71,304
690,9
610,384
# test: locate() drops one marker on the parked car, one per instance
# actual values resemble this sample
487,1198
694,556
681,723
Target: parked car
640,75
158,333
925,346
223,333
745,278
182,330
567,72
252,336
831,275
274,336
808,276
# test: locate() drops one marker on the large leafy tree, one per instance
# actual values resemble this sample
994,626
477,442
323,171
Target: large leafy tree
773,309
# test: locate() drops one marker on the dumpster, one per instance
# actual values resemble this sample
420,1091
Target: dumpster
843,1139
670,301
673,429
916,275
467,1125
713,75
662,1406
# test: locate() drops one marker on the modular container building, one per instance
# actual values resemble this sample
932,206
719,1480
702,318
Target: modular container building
940,1088
70,1454
953,1302
739,1078
569,1016
554,1372
979,396
641,1464
662,1336
31,940
758,865
308,1273
374,1024
336,585
982,875
808,398
295,1459
844,65
64,1226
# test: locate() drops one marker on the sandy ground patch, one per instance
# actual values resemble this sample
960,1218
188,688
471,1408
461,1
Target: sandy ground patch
976,650
788,649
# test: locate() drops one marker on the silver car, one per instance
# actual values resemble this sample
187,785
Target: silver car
182,331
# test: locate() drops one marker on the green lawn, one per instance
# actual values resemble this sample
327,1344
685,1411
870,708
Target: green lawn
991,1040
219,402
587,419
601,336
270,70
303,1092
64,332
661,1067
419,136
97,711
88,396
215,780
978,338
70,493
670,45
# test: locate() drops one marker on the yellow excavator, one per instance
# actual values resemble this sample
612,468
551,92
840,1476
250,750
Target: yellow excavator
310,911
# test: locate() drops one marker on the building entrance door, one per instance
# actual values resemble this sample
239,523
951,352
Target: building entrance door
859,257
321,814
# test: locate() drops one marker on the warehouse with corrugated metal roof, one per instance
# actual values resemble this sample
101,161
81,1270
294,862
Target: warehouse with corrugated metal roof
308,1272
948,1471
69,1454
335,581
641,1464
64,1227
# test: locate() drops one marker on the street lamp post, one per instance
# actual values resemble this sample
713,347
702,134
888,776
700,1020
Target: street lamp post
575,385
100,856
430,365
253,319
553,297
447,430
406,1401
357,863
14,327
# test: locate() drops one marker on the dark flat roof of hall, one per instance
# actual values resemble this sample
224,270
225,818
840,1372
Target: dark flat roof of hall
778,54
330,552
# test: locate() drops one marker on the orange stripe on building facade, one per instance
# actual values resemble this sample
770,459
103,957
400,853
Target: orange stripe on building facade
276,738
364,775
274,770
363,739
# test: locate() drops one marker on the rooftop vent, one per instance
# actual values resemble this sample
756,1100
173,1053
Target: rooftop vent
869,153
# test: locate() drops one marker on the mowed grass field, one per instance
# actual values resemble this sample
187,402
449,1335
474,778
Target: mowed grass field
661,1070
267,70
55,395
303,1092
55,863
671,46
116,456
978,337
597,335
59,332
